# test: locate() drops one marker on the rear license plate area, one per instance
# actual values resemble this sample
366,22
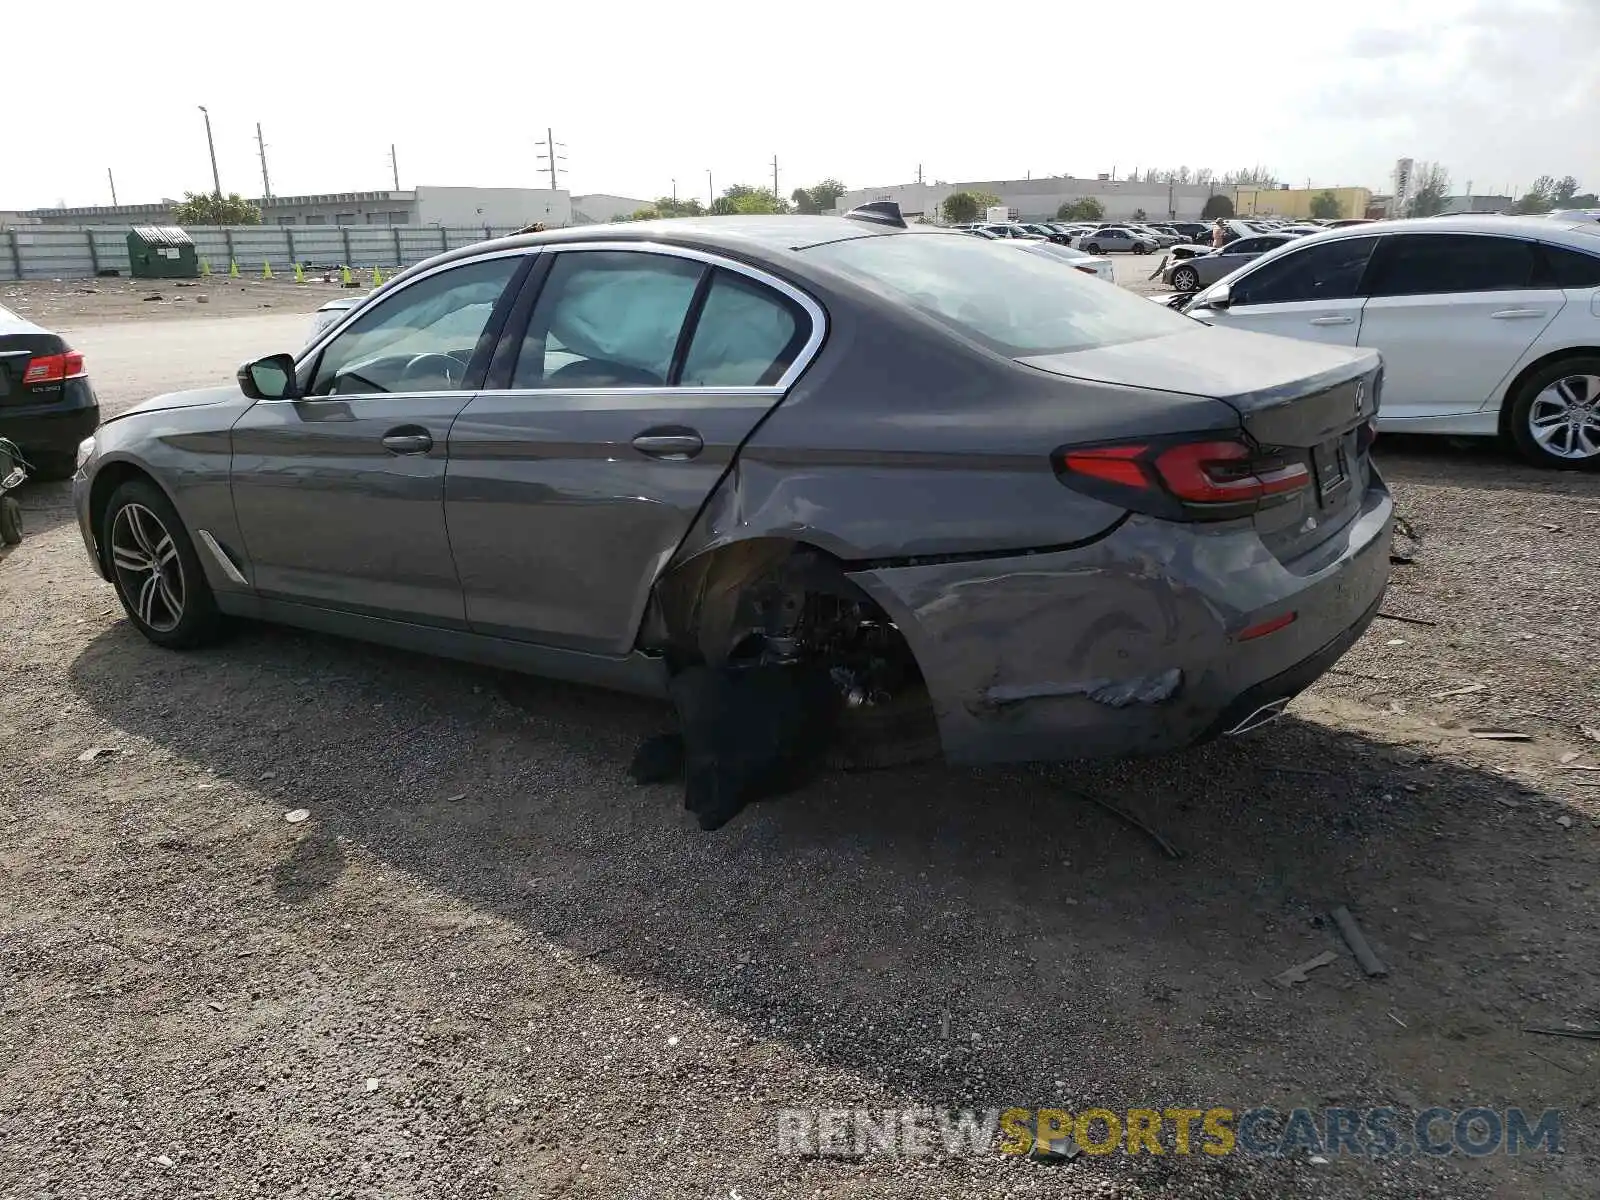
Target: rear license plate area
1332,466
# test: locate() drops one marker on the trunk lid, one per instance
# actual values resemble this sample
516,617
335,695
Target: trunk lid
1303,401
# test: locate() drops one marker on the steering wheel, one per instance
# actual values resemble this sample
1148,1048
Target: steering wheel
433,363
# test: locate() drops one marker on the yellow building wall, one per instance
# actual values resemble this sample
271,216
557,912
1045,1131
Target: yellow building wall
1296,202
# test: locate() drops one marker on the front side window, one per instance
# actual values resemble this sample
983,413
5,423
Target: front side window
607,318
420,339
1322,271
1427,264
1016,304
747,335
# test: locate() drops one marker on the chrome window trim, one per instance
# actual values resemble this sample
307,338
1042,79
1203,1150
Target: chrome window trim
803,359
333,330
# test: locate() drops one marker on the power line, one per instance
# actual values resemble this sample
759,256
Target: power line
551,157
266,184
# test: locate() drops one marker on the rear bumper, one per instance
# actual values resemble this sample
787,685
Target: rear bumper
1130,645
56,426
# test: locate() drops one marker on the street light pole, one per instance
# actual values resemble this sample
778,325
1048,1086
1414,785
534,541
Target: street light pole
216,180
711,192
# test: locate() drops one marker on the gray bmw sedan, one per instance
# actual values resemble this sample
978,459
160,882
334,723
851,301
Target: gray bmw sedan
1054,518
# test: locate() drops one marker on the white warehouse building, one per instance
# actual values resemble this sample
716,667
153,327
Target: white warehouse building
1039,199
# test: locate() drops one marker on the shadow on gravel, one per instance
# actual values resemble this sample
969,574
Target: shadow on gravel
1479,463
45,506
966,937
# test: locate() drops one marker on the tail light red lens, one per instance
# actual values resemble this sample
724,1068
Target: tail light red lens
53,368
1215,478
1226,472
1086,270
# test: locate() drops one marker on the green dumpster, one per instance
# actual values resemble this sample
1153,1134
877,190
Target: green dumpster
162,252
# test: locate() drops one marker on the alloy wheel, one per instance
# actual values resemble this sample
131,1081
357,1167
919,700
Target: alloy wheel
1186,279
148,569
1564,418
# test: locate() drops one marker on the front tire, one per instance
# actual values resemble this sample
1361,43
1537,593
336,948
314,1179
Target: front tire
1186,279
1555,414
1092,248
156,571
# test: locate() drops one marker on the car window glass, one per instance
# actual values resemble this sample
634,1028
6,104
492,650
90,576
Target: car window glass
1325,271
747,335
1426,264
1571,268
420,339
607,318
1013,302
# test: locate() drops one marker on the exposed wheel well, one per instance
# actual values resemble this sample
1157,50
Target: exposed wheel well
106,481
1527,372
776,598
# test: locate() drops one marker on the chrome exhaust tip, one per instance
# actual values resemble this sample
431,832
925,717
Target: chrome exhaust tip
1264,715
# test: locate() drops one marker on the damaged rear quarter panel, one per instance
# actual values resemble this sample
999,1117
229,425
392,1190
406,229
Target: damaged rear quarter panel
1097,650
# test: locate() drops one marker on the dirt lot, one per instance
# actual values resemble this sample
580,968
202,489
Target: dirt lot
488,965
71,304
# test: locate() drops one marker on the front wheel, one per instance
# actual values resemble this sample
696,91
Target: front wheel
1555,414
1092,248
156,571
1186,279
1141,248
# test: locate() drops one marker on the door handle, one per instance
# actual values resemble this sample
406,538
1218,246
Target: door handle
675,445
1512,314
1332,321
407,439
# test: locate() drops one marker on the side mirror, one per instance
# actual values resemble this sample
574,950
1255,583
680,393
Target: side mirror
270,378
1220,296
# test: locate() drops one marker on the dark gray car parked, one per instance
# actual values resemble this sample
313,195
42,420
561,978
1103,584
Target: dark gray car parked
1066,521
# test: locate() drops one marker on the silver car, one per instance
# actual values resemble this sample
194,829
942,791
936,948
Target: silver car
931,470
1116,237
1192,274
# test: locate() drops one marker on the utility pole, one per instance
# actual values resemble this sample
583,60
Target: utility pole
919,174
111,179
711,191
216,180
551,146
394,165
674,190
774,176
266,184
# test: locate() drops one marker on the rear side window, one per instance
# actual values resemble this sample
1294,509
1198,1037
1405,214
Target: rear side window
1571,268
747,335
1321,271
607,318
1016,304
1428,264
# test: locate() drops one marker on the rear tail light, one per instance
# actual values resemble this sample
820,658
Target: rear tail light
1213,479
1086,270
53,368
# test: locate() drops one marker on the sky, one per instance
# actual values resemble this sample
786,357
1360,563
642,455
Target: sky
1499,93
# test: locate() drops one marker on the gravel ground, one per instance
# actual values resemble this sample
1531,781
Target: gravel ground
68,304
488,965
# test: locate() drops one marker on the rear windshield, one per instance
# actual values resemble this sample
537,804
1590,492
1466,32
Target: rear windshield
1015,304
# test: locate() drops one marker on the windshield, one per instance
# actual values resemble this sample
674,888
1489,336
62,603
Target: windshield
1016,304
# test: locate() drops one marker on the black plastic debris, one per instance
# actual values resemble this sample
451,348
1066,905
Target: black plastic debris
747,733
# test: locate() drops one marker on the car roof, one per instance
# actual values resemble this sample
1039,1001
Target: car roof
1575,233
765,238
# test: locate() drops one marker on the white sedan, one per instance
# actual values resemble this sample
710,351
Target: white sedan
1089,264
1487,325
